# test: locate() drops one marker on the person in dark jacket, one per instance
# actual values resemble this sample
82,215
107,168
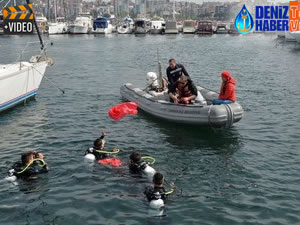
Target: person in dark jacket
184,91
227,90
174,71
32,164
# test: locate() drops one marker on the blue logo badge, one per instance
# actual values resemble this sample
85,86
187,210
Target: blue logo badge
244,22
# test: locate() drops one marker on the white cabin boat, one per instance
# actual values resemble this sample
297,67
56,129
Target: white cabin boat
157,26
81,25
141,26
58,27
171,27
126,26
102,25
189,27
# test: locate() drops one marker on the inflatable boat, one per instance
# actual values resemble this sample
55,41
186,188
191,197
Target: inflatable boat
158,104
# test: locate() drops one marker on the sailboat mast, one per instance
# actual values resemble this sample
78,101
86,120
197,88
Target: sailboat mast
36,26
55,11
174,12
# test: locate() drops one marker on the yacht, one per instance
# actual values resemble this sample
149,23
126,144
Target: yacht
204,27
171,27
102,25
232,30
221,29
158,26
189,27
58,27
81,25
141,26
126,26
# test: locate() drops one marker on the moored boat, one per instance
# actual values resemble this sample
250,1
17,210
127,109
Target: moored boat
81,25
141,26
159,105
102,25
232,30
189,27
157,26
221,28
171,27
126,26
204,27
58,27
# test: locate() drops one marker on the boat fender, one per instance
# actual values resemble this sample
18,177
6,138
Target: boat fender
149,171
156,204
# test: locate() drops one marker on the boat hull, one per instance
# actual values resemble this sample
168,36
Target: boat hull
58,28
107,30
75,29
171,31
24,83
196,114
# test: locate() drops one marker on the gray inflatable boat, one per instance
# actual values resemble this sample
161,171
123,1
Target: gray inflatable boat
159,105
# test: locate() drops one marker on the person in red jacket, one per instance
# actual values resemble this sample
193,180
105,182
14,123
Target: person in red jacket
227,90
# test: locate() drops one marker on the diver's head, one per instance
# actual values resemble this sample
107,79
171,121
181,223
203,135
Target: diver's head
27,158
135,157
172,63
99,144
158,179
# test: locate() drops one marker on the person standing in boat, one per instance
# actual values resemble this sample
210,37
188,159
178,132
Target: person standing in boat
174,71
227,90
184,91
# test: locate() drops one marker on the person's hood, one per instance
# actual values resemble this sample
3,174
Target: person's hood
227,75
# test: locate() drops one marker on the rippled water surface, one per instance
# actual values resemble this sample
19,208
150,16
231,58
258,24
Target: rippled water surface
248,174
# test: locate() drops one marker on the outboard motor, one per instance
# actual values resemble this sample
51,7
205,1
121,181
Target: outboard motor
152,81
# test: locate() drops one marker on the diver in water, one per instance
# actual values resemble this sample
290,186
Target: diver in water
98,146
157,194
138,166
32,164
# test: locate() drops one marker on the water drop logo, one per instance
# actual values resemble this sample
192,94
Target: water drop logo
244,22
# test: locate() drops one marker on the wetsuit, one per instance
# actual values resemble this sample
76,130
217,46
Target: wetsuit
137,167
174,74
20,170
155,193
96,148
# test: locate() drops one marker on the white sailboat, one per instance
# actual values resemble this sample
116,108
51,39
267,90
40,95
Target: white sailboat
59,26
20,81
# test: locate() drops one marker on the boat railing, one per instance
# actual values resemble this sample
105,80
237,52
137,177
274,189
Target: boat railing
24,50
